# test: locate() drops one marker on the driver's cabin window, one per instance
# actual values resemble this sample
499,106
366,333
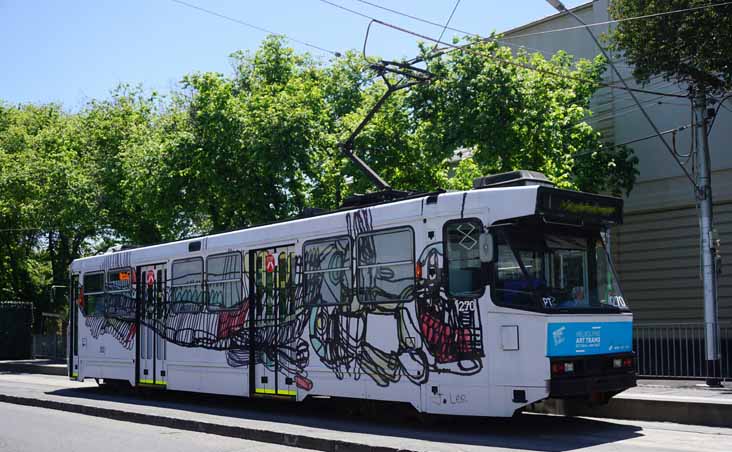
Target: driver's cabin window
514,285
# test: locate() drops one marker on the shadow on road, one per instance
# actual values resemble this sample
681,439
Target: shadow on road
528,431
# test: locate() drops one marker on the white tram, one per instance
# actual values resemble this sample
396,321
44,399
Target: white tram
466,303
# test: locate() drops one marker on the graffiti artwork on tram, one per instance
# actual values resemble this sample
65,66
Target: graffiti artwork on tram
381,321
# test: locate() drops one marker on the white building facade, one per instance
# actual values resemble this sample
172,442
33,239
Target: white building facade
657,249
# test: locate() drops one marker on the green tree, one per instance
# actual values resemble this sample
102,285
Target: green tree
246,158
694,47
48,202
123,137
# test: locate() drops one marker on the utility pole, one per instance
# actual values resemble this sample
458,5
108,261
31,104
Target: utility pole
708,244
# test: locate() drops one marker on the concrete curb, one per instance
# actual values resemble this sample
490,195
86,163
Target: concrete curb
264,436
644,409
27,368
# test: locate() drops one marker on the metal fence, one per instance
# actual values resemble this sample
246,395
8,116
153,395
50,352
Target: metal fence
49,346
677,350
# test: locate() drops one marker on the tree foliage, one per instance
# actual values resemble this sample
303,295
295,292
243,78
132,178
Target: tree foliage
260,144
692,46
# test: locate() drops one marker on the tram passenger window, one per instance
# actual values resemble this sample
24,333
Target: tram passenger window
385,266
223,278
327,271
94,294
186,293
120,298
464,268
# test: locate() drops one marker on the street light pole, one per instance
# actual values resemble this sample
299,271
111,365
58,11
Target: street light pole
703,192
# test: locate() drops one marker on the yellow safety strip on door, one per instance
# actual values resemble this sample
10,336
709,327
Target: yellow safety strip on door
285,392
264,391
150,382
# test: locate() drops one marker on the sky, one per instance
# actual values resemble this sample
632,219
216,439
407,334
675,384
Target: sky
73,51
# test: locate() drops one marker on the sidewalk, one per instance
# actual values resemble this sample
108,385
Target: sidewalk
681,401
35,366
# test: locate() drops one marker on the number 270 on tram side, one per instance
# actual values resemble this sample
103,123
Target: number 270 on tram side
477,302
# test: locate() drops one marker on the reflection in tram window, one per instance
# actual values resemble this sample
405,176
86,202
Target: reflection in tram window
223,279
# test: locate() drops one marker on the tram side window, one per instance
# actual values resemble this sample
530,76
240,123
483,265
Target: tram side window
186,293
327,271
385,266
224,282
464,271
120,299
94,294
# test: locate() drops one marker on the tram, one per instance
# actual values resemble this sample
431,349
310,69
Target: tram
474,302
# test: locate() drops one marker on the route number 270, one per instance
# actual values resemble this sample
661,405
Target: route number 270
465,305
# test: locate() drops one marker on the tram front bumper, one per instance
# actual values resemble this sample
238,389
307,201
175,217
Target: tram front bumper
588,386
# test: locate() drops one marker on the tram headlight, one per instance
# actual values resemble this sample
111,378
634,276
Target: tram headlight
557,368
560,368
617,363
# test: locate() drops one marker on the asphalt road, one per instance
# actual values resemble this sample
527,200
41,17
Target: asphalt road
37,429
30,429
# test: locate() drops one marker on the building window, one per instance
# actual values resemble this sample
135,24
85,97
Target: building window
385,267
120,298
94,294
327,271
462,257
186,293
223,279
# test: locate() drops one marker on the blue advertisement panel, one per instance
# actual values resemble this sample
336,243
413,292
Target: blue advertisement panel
588,338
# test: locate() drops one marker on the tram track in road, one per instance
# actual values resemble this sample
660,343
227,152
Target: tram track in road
337,424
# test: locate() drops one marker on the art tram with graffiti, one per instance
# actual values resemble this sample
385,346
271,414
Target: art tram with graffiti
469,303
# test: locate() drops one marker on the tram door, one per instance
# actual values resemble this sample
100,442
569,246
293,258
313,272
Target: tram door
73,331
150,289
274,327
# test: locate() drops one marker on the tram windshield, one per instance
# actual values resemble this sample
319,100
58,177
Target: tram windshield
560,269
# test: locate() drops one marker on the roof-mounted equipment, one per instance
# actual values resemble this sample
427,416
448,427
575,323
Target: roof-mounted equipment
518,178
378,197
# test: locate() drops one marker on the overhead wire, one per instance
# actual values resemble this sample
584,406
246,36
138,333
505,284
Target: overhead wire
613,21
436,24
255,27
496,57
716,111
636,140
429,22
449,19
520,64
660,86
623,111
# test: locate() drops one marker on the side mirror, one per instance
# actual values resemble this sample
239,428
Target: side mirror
487,254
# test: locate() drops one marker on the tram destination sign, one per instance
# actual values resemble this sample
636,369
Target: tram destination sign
577,206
